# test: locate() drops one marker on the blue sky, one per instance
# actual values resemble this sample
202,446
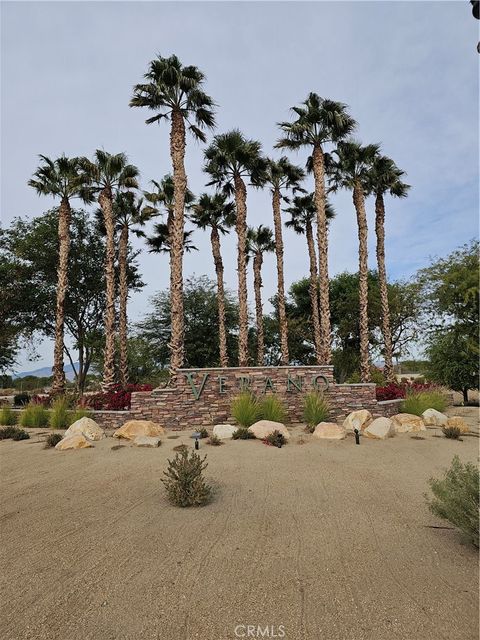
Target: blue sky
407,70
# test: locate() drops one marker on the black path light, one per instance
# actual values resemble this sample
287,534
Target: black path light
357,436
197,436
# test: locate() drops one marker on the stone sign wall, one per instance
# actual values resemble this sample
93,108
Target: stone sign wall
204,396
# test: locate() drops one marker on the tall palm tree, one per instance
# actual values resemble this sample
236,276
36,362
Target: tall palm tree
282,176
60,178
319,122
259,241
107,174
349,168
159,242
175,92
218,215
163,197
229,160
385,177
303,214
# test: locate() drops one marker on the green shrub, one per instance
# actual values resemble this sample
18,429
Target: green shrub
59,414
242,433
245,409
276,439
451,432
315,409
184,481
272,408
456,498
7,432
20,434
418,402
203,432
7,417
77,414
214,440
21,399
34,415
52,440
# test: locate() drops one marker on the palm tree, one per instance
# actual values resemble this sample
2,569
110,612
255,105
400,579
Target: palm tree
303,214
164,196
218,215
106,175
175,92
60,178
259,241
350,170
385,177
282,176
229,160
160,241
318,122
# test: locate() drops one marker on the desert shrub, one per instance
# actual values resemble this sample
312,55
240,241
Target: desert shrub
7,432
203,432
184,481
315,409
7,417
272,408
456,498
276,439
20,434
79,412
392,391
21,399
451,432
416,402
245,409
242,433
52,440
214,440
34,415
60,415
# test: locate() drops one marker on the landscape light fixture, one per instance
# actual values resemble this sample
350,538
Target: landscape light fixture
197,435
357,436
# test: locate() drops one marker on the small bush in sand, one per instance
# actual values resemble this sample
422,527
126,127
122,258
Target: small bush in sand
214,441
276,439
242,433
453,433
203,432
245,409
20,434
272,408
418,402
52,440
60,415
456,498
7,432
7,417
184,481
315,409
34,416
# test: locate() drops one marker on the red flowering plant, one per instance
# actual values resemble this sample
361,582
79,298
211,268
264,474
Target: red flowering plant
396,391
118,399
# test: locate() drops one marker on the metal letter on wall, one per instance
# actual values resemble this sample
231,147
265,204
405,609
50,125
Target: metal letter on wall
196,392
317,386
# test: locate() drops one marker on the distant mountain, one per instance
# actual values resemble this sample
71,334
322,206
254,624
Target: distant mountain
44,372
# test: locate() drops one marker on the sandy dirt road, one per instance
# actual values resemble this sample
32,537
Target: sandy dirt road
321,541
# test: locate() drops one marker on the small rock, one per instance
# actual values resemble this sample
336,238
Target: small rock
74,441
406,422
432,417
85,427
330,431
224,431
357,420
380,429
134,428
146,441
264,428
459,423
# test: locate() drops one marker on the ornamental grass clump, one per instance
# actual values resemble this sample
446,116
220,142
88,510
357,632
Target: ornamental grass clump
79,412
7,417
456,498
245,409
315,409
60,414
34,416
416,402
214,440
272,408
184,481
453,433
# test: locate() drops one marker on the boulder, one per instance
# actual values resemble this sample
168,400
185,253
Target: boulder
434,418
85,427
224,431
146,441
74,441
330,431
380,429
357,420
459,423
134,428
406,422
264,428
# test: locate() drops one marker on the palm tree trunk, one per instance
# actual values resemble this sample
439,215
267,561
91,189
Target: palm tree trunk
123,297
257,285
222,332
177,153
322,241
382,277
241,228
317,335
58,385
105,201
359,202
282,314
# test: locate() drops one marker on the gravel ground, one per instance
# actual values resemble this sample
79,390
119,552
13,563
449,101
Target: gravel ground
320,541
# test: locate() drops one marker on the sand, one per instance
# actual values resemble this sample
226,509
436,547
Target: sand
321,541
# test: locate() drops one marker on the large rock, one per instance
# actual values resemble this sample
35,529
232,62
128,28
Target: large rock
146,441
357,420
74,441
406,422
434,418
380,429
330,431
134,428
459,423
224,431
264,428
85,427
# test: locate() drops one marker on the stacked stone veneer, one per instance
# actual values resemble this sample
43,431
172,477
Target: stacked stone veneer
204,396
